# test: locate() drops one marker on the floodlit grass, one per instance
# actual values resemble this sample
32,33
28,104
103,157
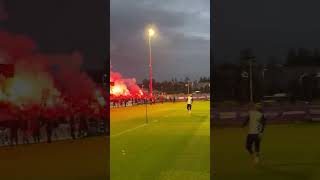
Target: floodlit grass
84,159
174,145
289,152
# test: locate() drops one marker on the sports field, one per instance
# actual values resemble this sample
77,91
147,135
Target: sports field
174,145
289,152
84,159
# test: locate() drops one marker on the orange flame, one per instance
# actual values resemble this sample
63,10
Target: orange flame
119,90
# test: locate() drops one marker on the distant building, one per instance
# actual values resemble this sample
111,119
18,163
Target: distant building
287,75
202,85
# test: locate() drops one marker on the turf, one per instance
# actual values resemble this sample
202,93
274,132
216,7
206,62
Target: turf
174,145
84,159
289,152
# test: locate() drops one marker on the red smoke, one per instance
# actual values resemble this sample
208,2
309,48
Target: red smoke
16,46
56,78
124,87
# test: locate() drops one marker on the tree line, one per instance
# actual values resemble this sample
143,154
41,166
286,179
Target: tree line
231,81
175,86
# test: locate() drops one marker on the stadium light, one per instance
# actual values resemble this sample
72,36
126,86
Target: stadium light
151,32
188,85
252,60
251,87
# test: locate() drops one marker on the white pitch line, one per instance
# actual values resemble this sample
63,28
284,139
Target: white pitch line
128,130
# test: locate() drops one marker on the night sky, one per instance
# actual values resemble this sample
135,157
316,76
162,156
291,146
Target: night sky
270,27
62,26
182,47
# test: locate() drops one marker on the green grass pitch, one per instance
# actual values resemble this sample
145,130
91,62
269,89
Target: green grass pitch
174,145
288,152
84,159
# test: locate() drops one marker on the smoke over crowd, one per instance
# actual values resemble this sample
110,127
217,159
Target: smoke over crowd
44,80
124,87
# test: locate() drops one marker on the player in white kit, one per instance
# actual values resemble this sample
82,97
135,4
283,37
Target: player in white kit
256,124
189,103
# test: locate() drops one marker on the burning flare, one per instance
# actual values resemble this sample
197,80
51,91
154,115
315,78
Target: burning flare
124,87
52,80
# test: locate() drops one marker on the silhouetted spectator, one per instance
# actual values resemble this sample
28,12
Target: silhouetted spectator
49,128
36,129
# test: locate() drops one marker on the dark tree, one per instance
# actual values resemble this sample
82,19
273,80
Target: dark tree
291,57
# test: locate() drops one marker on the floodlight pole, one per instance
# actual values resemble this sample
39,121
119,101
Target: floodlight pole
150,66
150,34
251,88
263,80
146,102
188,89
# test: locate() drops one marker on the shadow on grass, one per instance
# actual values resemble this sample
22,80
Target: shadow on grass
287,164
289,170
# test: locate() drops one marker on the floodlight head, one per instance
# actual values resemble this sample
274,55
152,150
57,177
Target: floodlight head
151,32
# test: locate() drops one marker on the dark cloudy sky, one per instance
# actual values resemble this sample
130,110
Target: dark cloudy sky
182,47
61,26
268,27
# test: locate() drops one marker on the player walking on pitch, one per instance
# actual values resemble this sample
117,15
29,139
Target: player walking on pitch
189,103
256,124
